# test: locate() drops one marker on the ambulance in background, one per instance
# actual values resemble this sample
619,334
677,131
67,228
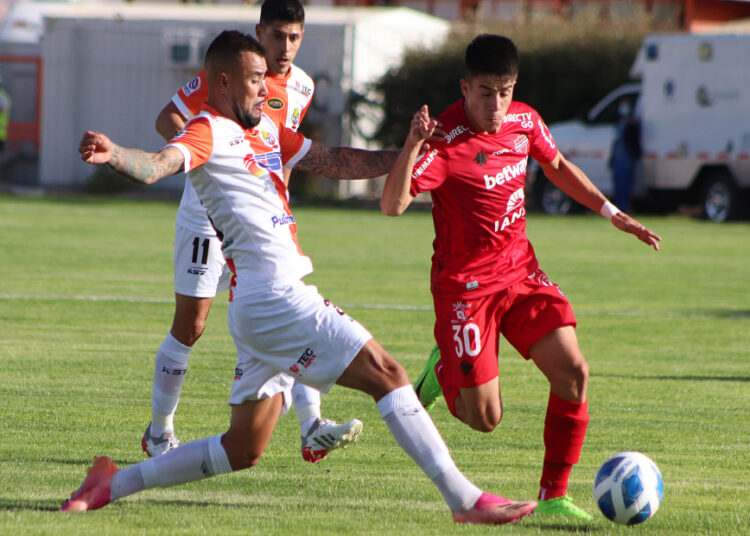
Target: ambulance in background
693,104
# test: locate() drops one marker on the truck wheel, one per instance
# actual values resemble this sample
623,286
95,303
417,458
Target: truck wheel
720,198
550,198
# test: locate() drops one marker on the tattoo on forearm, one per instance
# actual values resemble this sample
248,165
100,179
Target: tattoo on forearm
142,167
347,163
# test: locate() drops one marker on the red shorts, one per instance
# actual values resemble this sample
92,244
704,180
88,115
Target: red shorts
468,331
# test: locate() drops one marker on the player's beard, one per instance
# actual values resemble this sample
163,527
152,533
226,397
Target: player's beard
244,117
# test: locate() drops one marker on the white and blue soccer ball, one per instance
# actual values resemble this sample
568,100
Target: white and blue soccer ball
628,488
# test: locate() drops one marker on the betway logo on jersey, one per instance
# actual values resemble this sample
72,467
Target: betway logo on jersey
508,173
428,158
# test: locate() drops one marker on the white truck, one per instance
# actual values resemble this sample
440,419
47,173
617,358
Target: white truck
693,103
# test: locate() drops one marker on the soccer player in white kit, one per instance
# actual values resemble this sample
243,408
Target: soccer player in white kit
282,328
199,267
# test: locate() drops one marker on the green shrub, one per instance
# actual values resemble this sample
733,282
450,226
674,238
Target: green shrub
105,181
566,67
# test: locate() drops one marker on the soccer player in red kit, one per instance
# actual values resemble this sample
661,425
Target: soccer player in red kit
485,277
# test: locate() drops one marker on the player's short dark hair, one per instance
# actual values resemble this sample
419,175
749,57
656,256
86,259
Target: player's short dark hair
490,54
286,11
225,49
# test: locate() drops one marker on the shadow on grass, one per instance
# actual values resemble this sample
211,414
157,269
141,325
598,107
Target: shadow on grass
53,505
686,377
559,527
727,314
46,505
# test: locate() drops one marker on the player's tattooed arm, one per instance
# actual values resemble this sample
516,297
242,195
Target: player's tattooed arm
146,168
346,163
133,164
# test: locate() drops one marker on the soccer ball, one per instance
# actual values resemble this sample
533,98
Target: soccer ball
628,488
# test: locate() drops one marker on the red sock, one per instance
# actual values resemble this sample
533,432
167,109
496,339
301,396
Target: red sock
564,430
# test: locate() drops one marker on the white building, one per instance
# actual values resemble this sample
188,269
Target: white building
112,67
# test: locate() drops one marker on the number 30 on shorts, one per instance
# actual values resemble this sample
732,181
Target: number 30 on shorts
467,340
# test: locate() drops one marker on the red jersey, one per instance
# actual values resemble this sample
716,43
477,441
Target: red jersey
477,186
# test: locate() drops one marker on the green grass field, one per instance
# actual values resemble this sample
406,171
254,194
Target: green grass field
86,299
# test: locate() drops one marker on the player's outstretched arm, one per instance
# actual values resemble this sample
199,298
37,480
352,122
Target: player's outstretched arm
170,121
574,182
396,195
133,164
346,163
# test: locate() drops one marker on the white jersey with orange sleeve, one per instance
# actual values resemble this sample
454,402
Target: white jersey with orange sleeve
238,175
288,100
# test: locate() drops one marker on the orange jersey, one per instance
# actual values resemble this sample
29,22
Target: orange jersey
288,99
287,102
237,174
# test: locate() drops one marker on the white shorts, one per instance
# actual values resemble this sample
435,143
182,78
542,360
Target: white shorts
286,334
200,270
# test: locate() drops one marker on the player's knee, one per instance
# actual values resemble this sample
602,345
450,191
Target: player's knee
374,372
244,460
483,423
483,419
391,375
188,332
240,456
580,377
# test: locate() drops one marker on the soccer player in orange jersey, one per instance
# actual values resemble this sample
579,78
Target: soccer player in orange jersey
199,267
486,280
282,327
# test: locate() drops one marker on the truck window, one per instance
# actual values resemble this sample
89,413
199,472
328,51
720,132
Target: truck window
609,115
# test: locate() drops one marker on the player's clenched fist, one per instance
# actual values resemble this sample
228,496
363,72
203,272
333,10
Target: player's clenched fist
95,148
423,128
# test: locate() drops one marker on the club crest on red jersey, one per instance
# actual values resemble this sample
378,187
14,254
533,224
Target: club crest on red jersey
521,144
460,309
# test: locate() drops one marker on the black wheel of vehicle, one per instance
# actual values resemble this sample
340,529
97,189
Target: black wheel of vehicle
550,198
720,198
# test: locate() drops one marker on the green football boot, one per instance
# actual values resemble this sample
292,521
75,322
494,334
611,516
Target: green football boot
427,386
562,505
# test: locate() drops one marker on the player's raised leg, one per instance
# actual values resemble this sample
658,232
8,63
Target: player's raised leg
558,356
239,448
376,373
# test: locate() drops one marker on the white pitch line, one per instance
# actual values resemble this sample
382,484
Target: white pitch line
374,306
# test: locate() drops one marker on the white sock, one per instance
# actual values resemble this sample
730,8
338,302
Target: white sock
306,404
192,461
415,432
169,374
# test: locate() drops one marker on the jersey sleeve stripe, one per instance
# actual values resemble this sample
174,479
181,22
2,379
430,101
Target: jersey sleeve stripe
184,110
185,154
299,155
